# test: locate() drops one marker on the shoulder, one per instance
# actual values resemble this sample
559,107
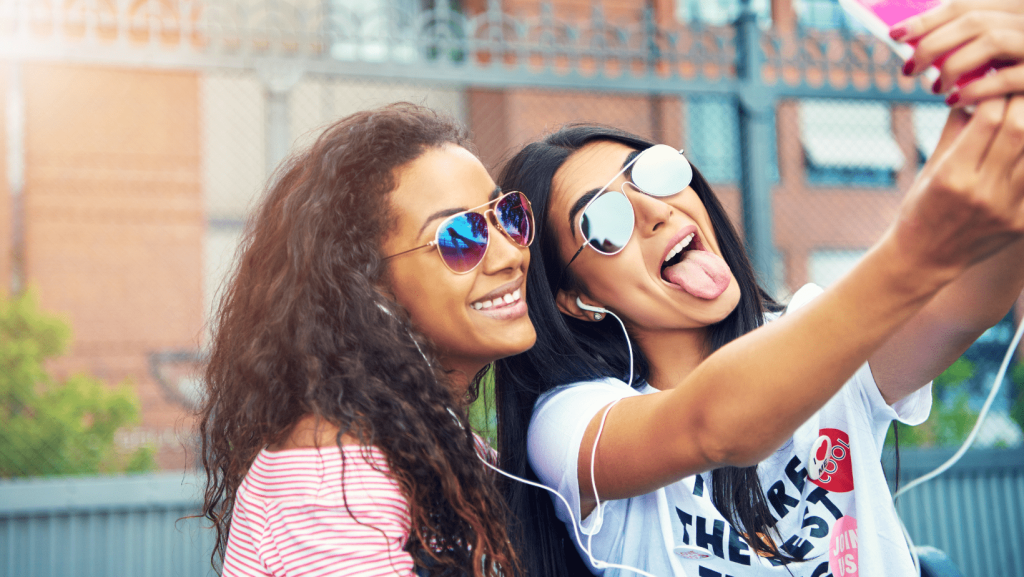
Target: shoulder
608,388
319,473
561,414
804,295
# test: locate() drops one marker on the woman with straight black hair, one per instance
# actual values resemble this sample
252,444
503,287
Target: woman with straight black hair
728,435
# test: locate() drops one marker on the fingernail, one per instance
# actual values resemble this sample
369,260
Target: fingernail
953,98
936,86
908,68
898,32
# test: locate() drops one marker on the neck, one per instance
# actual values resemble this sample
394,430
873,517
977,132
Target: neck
672,354
460,375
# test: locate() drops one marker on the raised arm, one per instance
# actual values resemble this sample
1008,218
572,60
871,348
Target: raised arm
980,32
747,398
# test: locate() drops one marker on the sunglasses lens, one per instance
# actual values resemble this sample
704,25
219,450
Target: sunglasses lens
607,223
463,241
661,171
516,217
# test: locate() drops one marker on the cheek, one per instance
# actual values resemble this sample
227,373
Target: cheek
429,295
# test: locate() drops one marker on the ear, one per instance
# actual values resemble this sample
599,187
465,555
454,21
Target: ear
566,302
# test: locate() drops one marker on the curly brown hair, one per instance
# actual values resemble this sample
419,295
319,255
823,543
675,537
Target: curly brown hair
306,328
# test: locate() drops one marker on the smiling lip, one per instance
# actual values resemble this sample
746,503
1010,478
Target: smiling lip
501,309
505,312
679,236
500,291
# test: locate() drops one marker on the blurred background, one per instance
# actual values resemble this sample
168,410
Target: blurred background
138,134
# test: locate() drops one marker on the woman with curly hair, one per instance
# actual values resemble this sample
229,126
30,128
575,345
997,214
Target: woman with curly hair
381,274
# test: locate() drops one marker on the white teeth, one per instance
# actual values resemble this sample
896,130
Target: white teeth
507,299
679,247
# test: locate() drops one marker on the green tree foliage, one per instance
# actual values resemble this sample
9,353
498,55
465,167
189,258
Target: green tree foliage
482,416
951,419
51,427
1017,409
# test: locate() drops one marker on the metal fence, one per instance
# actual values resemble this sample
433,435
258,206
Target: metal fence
103,526
974,512
135,526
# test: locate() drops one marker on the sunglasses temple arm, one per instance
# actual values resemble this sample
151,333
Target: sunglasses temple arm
431,243
561,276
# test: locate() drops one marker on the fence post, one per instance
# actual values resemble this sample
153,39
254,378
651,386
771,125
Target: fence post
278,77
755,105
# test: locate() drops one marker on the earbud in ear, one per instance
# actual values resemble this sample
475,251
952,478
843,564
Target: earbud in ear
587,307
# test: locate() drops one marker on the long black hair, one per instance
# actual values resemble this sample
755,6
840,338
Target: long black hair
569,350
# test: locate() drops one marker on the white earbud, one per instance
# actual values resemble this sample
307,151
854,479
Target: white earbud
598,315
586,307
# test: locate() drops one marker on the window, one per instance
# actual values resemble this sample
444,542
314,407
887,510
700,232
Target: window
825,15
374,30
721,12
849,143
713,139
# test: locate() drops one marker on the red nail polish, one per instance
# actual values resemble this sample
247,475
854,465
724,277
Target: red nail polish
908,68
898,32
936,86
953,98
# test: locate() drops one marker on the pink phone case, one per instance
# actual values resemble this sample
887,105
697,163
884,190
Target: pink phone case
878,16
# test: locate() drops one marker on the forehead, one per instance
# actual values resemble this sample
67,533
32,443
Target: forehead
439,179
588,168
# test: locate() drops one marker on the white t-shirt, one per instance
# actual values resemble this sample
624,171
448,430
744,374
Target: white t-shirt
842,524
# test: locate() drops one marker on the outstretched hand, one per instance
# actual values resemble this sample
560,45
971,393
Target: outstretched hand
968,201
979,33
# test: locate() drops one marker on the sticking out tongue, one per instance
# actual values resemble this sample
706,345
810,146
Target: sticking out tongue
701,273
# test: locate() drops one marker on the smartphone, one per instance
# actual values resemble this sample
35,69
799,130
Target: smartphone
880,15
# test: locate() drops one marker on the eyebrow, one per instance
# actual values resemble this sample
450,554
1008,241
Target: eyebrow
451,211
590,194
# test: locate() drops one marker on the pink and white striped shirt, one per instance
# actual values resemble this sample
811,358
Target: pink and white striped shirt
290,517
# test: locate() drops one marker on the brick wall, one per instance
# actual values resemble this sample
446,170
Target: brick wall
114,221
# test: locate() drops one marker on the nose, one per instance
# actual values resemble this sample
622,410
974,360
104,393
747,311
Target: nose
502,254
651,212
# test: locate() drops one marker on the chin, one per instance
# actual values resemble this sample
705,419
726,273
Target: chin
724,304
518,341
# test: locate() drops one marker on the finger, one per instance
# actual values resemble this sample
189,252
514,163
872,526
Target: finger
994,45
983,35
915,27
1008,144
1006,80
975,141
949,37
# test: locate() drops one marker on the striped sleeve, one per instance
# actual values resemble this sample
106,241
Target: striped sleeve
300,519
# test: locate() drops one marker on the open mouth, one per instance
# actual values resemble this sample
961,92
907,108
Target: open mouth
499,301
678,253
691,267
